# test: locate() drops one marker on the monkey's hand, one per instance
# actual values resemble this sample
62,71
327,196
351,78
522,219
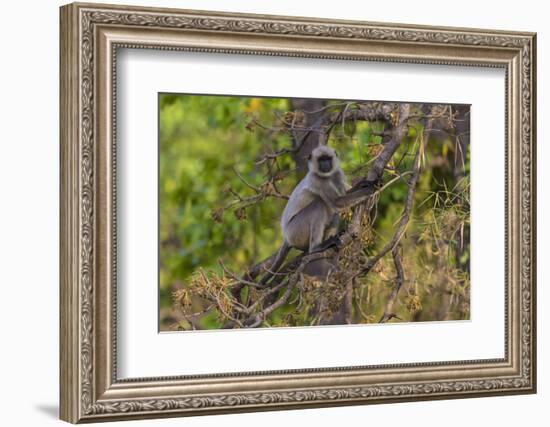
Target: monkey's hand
365,184
358,193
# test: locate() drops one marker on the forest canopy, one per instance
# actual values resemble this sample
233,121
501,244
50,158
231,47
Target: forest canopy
227,167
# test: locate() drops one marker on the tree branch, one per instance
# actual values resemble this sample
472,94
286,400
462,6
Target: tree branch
400,278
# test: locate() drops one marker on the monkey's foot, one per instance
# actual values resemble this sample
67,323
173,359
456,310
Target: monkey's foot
331,242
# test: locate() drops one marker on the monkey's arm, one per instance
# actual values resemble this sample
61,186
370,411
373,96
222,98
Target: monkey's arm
356,194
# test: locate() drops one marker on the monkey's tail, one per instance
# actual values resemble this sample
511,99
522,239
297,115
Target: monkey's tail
277,263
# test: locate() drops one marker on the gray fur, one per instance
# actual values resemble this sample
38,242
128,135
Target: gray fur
311,209
311,214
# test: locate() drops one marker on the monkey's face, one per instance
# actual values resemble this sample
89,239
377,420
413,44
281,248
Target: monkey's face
323,161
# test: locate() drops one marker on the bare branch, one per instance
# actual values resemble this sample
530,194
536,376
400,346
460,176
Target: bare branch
400,278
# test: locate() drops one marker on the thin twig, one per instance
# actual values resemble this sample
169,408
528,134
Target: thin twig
400,278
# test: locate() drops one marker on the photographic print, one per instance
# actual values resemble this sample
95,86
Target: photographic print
282,212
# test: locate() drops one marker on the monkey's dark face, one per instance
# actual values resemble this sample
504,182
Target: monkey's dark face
324,163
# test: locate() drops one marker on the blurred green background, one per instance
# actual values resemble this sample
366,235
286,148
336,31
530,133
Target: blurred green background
206,140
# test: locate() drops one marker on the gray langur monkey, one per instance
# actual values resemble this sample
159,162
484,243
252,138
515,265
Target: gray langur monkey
311,214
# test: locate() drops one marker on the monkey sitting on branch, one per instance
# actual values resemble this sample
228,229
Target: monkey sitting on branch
311,217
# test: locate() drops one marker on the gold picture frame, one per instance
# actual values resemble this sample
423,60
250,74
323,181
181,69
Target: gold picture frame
90,36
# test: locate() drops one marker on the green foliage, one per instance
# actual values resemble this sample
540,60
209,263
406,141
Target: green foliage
202,140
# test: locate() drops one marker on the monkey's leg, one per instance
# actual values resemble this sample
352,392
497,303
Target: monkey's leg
320,222
332,228
332,235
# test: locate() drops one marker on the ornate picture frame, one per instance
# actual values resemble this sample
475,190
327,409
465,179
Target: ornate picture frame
90,37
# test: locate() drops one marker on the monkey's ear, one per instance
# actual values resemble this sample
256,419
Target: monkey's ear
337,155
309,157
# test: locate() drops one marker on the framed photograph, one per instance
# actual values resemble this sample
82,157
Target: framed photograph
266,212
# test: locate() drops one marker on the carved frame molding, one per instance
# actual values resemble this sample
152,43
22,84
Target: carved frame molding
90,37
